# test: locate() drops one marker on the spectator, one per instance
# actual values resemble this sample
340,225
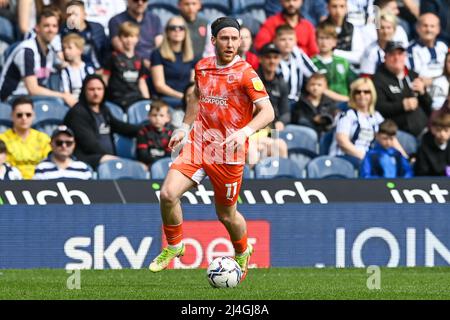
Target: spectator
441,8
440,85
374,54
73,75
356,127
97,48
60,164
28,67
27,14
433,156
402,96
306,38
270,58
360,12
383,160
295,65
337,70
370,29
26,146
94,125
315,109
7,172
313,10
101,11
427,54
124,74
350,40
149,25
198,26
245,48
173,63
153,139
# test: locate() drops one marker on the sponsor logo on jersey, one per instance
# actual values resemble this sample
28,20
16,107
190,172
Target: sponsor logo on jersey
215,100
258,84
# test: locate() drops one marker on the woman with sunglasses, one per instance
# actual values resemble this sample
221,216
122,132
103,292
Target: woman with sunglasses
26,146
173,63
356,127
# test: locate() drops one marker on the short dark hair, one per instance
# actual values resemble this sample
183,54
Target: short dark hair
442,120
47,12
284,28
2,147
382,3
158,105
388,127
21,100
318,76
78,3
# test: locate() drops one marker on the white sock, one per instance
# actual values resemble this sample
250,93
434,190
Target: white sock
176,247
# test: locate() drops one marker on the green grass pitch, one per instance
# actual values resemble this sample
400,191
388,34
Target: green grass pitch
264,284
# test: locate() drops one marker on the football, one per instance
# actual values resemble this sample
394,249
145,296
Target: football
224,272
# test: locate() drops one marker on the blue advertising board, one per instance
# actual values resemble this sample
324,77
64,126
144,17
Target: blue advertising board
129,236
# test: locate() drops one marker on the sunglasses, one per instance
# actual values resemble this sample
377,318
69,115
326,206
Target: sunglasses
362,91
26,114
60,143
176,28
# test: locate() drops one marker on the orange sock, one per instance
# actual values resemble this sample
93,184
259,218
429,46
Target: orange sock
240,245
174,234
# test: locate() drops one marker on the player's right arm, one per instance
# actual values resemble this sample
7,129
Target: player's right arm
181,134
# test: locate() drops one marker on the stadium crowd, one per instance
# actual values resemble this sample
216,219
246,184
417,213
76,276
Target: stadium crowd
87,83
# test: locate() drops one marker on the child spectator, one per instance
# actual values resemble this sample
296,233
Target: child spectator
295,65
153,139
383,160
337,69
433,156
73,75
124,74
7,172
315,109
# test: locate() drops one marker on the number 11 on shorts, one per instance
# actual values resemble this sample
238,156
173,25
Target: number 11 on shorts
231,189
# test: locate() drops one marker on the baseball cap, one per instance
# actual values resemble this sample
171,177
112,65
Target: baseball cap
62,129
391,46
269,48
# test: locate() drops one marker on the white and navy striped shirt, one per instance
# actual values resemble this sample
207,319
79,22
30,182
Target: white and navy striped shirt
48,170
427,62
25,60
8,172
294,70
373,56
72,79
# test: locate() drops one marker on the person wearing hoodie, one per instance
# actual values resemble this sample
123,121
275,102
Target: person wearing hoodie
94,125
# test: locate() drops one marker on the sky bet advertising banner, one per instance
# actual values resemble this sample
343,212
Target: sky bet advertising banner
306,223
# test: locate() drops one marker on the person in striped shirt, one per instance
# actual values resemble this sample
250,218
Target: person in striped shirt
60,164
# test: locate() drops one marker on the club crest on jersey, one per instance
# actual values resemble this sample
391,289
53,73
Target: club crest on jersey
231,78
258,84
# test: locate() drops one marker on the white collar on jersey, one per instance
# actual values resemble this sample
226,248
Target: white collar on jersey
236,59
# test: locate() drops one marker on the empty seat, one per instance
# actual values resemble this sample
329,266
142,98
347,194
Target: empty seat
138,112
116,111
330,167
5,117
213,9
49,113
160,168
273,167
125,147
407,141
164,9
121,169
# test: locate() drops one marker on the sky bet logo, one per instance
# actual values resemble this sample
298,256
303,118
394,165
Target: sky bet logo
435,194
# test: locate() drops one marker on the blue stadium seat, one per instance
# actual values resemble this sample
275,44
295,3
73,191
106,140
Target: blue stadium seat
121,169
273,167
325,142
300,138
138,112
164,9
254,8
49,113
160,168
116,111
213,9
248,173
125,147
330,167
5,117
408,142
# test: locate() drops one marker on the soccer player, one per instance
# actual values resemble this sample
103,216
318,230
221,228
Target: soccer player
227,92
